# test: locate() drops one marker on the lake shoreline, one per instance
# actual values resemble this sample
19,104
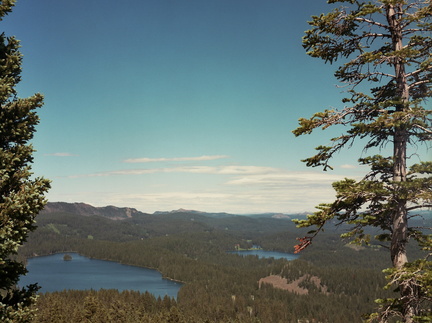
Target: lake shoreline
102,259
261,253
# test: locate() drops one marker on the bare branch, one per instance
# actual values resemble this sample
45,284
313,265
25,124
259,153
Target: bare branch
419,83
422,128
372,22
419,71
425,206
383,74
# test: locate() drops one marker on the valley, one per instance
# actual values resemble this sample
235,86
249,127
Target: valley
219,286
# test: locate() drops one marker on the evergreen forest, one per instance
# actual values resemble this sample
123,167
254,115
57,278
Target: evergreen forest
218,286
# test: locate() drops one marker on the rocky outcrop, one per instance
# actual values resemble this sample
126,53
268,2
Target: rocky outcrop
112,212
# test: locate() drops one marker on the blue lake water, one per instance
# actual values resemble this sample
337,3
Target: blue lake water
52,273
266,254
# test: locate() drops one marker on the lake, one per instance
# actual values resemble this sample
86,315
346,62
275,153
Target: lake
266,254
52,273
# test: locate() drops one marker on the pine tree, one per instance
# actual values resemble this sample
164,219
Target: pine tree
21,196
385,47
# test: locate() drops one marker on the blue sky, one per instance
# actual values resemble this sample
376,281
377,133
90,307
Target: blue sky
167,104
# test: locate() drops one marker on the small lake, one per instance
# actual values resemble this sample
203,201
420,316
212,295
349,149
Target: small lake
52,273
266,254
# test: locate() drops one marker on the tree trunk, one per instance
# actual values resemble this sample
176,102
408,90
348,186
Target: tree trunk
400,219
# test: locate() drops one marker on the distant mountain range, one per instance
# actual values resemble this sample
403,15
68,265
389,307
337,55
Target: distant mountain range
123,213
120,213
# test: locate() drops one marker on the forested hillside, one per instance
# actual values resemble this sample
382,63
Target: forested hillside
218,286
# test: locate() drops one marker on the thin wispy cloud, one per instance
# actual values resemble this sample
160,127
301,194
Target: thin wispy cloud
284,178
241,189
61,155
252,200
221,170
174,159
348,166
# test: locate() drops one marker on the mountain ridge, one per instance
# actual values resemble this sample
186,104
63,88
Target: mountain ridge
121,213
79,208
